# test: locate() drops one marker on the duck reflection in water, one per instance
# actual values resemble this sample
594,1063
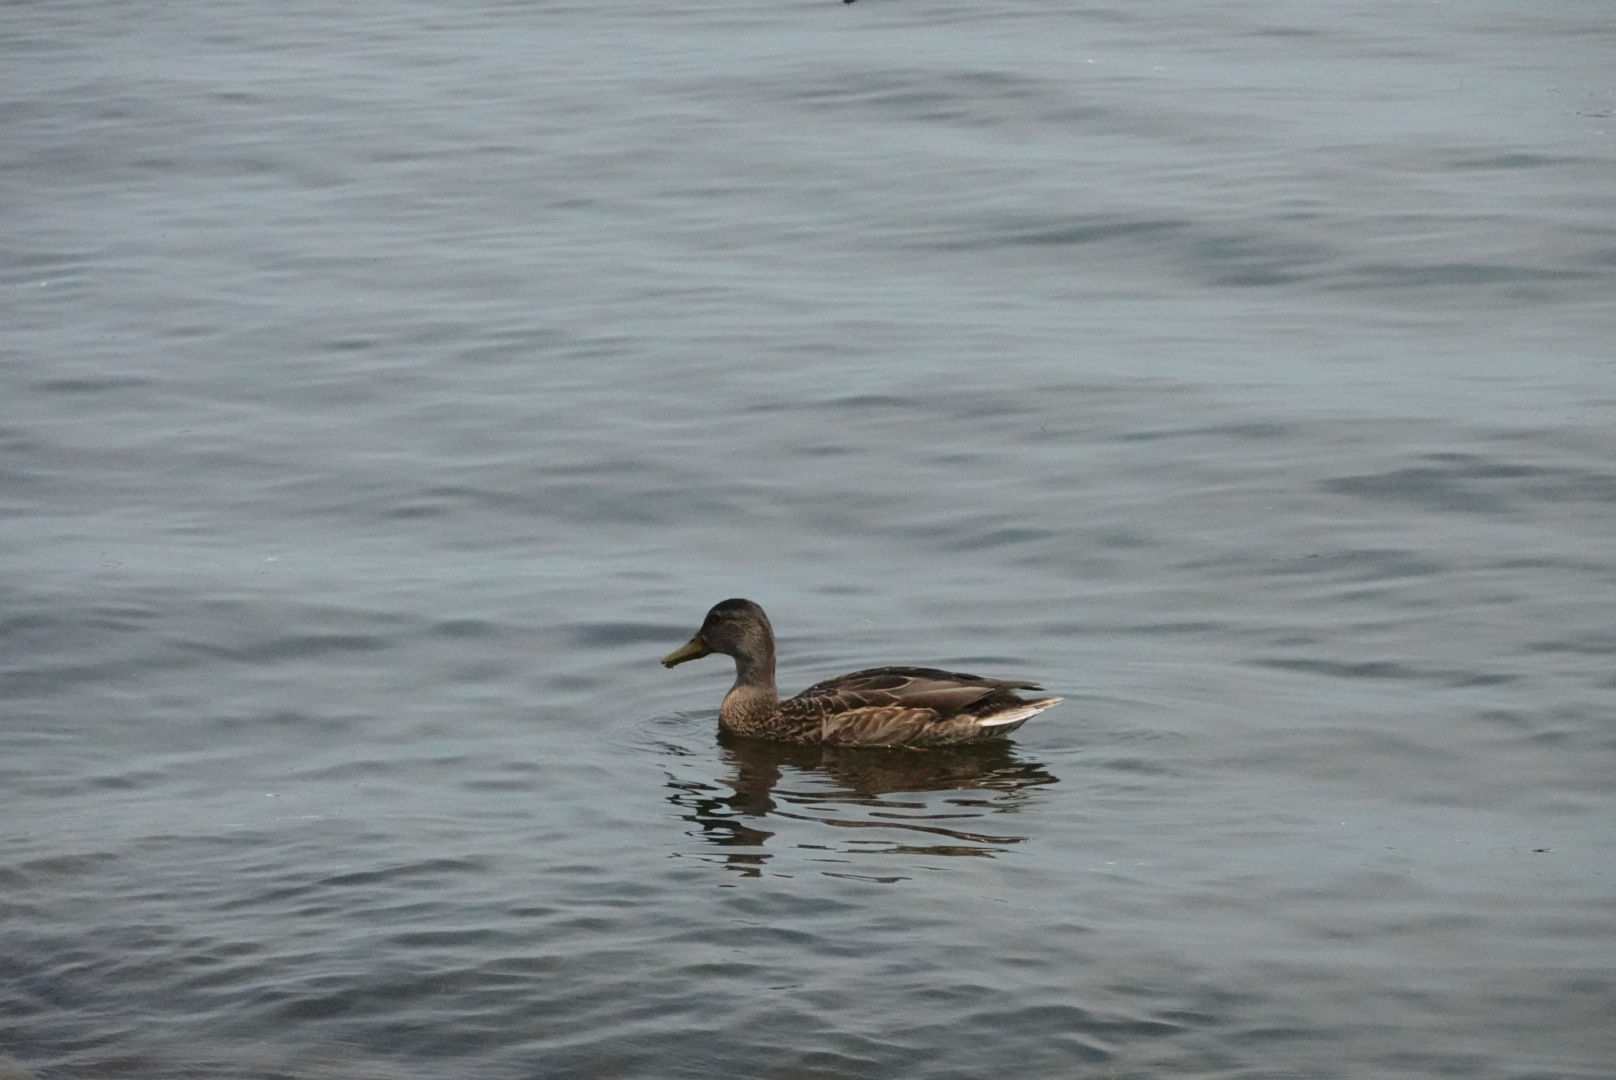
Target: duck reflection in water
858,793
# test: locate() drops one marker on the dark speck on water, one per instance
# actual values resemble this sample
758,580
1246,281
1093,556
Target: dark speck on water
391,385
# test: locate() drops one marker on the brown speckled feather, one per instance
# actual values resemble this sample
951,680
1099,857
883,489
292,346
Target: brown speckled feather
897,706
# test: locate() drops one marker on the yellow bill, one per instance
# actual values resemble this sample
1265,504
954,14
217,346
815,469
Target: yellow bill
695,650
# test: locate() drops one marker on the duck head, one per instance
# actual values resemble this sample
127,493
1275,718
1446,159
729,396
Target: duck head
735,628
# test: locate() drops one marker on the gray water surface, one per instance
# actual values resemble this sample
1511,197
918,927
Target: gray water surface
388,386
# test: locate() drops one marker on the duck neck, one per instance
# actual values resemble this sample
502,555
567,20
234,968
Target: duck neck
754,696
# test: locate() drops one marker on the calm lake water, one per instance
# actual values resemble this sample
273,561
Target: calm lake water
389,386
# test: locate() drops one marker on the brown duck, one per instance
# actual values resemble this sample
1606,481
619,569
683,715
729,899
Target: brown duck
889,706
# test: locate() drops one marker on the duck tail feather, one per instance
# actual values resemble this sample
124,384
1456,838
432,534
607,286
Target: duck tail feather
1017,713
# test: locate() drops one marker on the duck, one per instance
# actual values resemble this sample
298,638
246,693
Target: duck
885,706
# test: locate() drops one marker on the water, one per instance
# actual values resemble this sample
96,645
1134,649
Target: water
390,386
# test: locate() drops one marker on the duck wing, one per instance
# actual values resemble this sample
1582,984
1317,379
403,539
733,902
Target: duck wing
906,705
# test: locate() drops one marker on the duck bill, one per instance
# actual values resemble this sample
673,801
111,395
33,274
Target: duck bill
693,651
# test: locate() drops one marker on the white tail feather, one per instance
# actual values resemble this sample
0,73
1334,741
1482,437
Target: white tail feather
1019,712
